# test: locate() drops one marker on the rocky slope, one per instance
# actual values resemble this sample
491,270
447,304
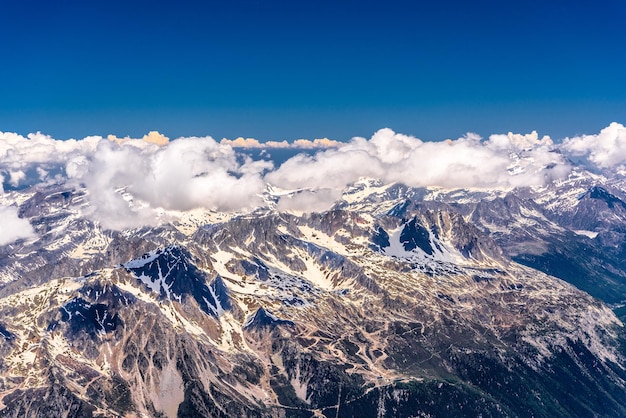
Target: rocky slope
398,302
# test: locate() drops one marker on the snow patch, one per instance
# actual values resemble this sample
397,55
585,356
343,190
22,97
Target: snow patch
145,259
321,239
315,275
588,234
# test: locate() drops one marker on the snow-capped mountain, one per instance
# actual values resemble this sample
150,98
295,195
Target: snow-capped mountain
399,301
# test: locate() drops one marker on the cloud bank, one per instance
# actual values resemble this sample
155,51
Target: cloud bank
392,157
130,181
604,150
253,143
186,174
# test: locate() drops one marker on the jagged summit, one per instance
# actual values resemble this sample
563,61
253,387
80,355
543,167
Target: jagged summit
600,193
264,319
170,273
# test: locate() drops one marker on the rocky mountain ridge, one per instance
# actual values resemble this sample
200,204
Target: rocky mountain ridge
397,302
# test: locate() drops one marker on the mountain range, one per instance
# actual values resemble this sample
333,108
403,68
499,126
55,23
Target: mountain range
398,301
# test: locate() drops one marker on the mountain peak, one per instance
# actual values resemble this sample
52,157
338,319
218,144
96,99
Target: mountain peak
600,193
263,319
171,273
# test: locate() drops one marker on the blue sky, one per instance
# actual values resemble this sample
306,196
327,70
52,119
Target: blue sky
287,69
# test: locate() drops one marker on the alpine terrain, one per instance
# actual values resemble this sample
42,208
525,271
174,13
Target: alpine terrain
398,301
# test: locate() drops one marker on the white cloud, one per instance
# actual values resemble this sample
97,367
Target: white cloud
40,155
604,150
186,174
130,180
309,200
15,177
242,143
153,137
320,143
113,168
12,226
199,172
518,142
333,168
392,157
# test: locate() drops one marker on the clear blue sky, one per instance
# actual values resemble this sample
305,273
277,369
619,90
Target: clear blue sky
295,69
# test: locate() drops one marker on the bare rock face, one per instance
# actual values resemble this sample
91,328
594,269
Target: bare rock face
394,304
